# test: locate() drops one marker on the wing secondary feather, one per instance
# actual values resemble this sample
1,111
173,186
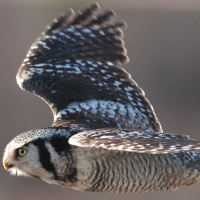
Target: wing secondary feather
135,141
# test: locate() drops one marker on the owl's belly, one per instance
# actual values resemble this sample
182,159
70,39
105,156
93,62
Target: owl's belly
122,172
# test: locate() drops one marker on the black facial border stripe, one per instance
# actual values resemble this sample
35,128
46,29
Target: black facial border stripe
44,157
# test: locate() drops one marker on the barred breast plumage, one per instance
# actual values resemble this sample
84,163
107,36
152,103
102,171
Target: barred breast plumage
105,136
122,172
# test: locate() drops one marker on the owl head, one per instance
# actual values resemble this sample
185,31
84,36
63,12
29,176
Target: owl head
35,153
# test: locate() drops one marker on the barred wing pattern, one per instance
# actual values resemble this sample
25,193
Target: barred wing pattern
75,66
135,141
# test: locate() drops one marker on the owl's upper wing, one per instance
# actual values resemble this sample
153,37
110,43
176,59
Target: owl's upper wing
133,140
75,66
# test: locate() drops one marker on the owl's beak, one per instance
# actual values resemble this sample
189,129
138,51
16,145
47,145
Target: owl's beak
7,165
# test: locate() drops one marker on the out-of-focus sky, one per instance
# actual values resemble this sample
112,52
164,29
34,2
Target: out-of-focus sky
163,43
137,4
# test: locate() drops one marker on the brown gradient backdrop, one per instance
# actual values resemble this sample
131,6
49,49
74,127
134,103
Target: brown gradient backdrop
163,43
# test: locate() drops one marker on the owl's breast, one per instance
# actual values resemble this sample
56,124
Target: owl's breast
120,172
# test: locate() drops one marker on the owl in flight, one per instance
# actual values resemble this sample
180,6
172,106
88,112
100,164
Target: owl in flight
105,136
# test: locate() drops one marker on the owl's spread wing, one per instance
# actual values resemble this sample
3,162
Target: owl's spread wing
75,67
133,140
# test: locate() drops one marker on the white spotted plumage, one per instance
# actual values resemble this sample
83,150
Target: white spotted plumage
103,123
134,141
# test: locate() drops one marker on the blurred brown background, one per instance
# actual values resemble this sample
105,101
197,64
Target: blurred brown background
163,43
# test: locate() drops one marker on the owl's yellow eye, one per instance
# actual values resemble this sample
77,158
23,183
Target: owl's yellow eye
21,151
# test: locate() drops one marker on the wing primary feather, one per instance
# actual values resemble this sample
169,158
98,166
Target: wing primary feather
75,66
61,22
84,16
